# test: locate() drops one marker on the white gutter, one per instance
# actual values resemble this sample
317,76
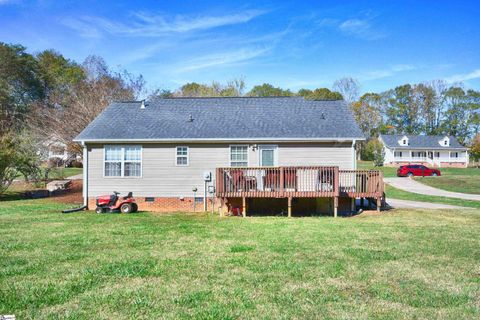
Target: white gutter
200,140
85,174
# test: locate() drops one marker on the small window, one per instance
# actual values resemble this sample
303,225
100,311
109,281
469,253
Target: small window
398,154
445,142
238,156
453,154
404,142
123,161
181,157
149,199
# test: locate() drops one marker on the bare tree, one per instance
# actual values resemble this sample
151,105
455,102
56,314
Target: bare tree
349,88
88,99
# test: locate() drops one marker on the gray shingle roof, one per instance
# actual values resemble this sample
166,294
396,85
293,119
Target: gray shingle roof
420,142
224,118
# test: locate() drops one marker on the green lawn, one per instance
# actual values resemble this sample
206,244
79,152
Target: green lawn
61,173
395,193
468,182
399,264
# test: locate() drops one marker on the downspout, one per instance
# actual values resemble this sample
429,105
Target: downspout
85,174
354,156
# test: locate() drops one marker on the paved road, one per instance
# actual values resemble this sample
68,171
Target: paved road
411,185
76,177
407,204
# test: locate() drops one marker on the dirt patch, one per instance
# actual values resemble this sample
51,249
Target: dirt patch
72,195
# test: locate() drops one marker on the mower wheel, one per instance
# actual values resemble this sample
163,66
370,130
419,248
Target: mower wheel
99,210
126,208
134,207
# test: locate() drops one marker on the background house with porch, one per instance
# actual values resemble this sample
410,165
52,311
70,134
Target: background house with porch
437,151
247,153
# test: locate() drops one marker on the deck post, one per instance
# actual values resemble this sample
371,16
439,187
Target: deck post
335,206
289,207
379,202
222,203
353,204
244,207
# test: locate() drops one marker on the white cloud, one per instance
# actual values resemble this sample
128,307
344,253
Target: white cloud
224,58
475,74
385,73
147,25
360,28
5,2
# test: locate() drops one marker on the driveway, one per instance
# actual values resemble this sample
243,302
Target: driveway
407,204
411,185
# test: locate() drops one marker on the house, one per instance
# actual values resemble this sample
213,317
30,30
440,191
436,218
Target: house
437,151
56,152
238,153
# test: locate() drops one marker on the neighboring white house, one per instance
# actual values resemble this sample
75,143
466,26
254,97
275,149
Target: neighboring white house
54,150
437,151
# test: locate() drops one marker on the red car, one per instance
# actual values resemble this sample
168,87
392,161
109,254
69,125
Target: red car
416,170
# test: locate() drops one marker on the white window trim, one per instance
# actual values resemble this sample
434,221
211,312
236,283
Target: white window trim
230,154
122,162
273,147
182,156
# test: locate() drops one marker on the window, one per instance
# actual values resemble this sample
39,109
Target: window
238,156
453,154
181,156
445,143
123,161
420,154
404,142
398,154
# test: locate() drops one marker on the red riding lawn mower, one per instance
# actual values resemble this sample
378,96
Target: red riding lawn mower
114,203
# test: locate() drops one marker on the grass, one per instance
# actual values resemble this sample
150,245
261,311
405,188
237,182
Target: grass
400,264
392,192
61,173
469,182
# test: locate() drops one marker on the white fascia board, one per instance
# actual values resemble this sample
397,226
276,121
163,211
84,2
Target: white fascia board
219,140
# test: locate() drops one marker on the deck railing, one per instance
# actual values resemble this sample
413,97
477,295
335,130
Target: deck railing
301,181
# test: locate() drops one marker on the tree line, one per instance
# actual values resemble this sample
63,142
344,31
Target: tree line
47,96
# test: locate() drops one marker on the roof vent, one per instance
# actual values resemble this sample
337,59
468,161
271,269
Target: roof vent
190,118
142,106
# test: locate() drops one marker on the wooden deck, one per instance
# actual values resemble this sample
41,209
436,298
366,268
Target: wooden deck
299,182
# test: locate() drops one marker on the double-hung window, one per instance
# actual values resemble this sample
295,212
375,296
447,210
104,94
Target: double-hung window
239,156
453,154
398,154
181,156
123,161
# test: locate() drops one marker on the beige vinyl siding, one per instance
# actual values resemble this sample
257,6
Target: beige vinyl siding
162,178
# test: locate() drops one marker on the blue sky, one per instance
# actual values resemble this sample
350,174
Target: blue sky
288,44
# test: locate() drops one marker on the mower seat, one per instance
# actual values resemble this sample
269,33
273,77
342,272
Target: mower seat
129,195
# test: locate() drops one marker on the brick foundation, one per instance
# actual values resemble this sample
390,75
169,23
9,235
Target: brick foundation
442,164
167,204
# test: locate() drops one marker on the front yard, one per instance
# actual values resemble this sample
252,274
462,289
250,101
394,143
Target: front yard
399,264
